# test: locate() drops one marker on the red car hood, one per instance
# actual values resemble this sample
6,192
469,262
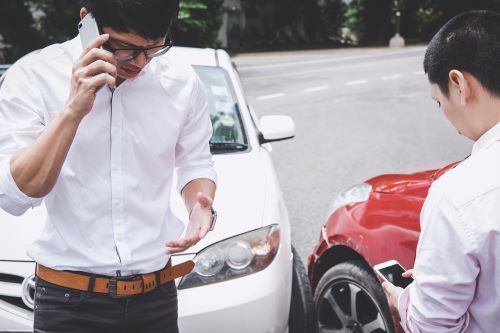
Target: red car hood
415,184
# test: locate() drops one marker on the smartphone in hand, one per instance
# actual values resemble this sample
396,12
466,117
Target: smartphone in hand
88,30
392,271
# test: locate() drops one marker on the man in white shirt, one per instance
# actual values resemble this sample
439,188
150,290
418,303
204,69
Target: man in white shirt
96,134
457,266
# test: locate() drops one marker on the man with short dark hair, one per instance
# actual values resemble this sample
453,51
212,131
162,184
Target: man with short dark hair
457,266
96,133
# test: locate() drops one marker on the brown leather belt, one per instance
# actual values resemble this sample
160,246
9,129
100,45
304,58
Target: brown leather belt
119,286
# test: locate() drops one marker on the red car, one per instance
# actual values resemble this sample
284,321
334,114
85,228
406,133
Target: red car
369,223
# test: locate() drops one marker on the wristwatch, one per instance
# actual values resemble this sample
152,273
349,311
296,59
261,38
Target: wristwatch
214,219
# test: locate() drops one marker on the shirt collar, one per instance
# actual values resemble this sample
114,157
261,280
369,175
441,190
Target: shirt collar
75,47
491,136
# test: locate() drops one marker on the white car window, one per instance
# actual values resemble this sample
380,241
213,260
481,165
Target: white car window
228,130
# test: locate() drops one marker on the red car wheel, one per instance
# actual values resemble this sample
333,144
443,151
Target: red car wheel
350,299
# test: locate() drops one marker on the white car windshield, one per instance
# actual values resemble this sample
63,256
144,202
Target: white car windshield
228,131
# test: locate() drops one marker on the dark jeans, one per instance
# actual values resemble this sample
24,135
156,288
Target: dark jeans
62,310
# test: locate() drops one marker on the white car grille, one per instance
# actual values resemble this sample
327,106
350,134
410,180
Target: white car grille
23,299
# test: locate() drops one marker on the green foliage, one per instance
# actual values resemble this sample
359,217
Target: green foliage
59,22
428,20
17,30
198,23
375,20
31,24
353,18
185,16
340,20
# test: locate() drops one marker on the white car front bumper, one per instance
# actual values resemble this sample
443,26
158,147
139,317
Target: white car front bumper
258,303
14,316
12,320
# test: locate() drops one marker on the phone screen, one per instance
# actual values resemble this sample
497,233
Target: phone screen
393,274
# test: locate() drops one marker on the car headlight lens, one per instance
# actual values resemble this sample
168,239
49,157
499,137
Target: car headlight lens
211,263
239,255
357,193
235,257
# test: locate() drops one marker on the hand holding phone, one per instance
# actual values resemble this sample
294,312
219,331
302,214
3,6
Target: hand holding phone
94,68
392,272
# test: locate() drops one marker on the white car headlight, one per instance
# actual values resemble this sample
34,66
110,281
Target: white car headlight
239,255
235,257
211,263
356,193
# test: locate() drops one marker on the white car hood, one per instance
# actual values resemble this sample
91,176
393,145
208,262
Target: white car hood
239,202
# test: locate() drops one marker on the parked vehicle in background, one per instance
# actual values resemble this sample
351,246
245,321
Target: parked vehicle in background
247,278
370,223
3,69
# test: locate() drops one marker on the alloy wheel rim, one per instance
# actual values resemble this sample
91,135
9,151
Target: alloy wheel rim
346,306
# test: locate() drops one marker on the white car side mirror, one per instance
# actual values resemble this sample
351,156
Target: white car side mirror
276,128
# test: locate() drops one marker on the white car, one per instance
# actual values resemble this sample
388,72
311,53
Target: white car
3,69
247,278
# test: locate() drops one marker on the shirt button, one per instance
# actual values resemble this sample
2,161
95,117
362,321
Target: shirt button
117,202
115,167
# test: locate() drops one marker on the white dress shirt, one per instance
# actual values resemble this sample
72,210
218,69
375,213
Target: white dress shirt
110,208
457,266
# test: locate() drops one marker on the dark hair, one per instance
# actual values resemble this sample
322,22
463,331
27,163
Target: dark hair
469,42
151,19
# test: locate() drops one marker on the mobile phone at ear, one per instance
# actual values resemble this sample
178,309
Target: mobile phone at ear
392,271
88,30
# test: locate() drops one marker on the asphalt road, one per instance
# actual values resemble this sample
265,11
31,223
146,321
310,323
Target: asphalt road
358,113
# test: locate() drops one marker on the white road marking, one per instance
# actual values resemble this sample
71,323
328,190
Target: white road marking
261,98
352,83
391,77
419,73
316,88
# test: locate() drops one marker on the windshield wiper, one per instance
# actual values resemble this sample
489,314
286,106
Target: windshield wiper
228,146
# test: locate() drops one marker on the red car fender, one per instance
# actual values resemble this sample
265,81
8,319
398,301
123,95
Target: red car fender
383,228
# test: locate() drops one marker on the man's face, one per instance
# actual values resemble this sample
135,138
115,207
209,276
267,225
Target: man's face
129,69
452,109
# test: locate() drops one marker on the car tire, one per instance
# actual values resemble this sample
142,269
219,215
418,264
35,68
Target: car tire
302,318
369,312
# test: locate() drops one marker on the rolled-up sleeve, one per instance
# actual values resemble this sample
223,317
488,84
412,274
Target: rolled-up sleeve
193,159
21,122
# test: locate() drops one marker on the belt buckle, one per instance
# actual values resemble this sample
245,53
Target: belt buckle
113,285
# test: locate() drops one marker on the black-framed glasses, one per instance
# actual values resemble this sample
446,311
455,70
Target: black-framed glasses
126,54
